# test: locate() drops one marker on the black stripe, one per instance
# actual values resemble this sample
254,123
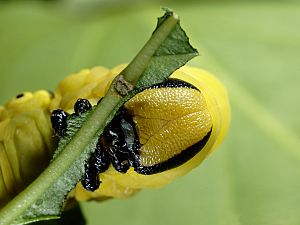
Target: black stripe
175,161
174,83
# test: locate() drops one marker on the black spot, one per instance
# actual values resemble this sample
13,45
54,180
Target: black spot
82,105
20,95
59,121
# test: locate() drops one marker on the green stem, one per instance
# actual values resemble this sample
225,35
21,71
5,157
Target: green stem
94,124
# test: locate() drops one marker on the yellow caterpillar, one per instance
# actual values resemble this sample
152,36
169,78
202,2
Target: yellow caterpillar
167,121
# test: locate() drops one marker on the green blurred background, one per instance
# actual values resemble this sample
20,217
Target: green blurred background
252,46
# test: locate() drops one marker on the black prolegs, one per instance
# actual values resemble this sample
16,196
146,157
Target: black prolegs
117,145
59,121
82,105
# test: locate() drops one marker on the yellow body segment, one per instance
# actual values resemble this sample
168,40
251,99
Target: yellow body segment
26,143
88,83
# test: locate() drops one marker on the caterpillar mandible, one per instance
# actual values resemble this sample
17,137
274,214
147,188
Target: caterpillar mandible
165,120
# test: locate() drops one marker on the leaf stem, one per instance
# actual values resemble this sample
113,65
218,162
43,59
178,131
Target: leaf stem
93,125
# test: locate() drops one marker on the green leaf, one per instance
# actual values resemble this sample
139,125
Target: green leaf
167,50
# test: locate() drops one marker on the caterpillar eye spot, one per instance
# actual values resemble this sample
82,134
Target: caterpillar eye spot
82,105
20,95
59,121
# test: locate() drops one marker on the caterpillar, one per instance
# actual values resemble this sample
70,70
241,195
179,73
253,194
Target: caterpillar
161,133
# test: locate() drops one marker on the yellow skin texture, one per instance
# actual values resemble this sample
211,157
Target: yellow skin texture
26,143
168,120
188,115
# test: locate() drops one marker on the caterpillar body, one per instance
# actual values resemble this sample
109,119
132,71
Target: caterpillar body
160,134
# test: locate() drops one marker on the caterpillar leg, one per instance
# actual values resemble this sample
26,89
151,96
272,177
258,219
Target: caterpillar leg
90,181
82,105
59,121
113,144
